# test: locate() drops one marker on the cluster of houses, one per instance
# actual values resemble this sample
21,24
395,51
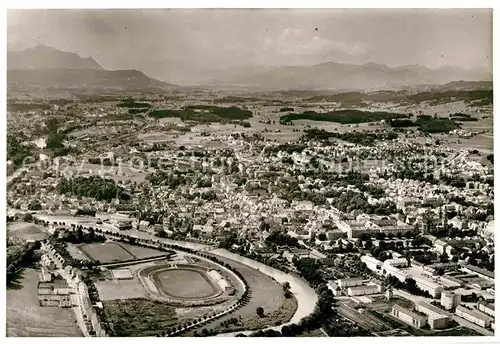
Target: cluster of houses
68,290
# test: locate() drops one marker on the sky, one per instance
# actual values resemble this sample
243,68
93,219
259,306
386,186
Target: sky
179,45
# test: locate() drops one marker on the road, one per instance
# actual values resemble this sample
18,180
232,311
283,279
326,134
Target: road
305,295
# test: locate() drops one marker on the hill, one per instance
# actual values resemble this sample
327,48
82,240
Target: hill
82,78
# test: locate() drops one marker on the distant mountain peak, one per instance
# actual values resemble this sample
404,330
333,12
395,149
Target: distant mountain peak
46,57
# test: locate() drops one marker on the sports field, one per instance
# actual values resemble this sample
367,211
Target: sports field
184,283
106,252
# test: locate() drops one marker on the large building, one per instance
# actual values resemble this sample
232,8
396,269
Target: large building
362,290
409,317
474,316
372,263
486,307
349,282
450,300
53,294
436,317
433,288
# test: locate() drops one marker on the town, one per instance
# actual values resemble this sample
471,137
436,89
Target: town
240,173
399,230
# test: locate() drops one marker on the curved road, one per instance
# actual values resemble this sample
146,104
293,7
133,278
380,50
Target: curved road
306,296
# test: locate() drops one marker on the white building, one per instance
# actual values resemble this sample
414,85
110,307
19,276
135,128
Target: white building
362,290
474,316
349,282
372,263
427,285
334,288
436,317
486,307
409,317
450,300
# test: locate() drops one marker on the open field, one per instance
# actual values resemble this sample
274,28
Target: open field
279,316
26,231
120,289
75,252
25,318
106,252
139,317
184,283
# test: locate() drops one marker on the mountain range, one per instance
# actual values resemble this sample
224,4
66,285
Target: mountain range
49,67
339,76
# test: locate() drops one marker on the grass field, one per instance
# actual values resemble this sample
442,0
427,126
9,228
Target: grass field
278,317
184,283
140,252
26,231
25,318
106,252
120,289
139,317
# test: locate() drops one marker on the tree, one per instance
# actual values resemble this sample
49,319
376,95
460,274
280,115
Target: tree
260,311
286,286
322,236
380,236
28,217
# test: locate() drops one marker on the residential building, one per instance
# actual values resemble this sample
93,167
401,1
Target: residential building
53,294
433,288
486,307
436,317
450,300
349,282
334,288
481,272
474,316
362,290
440,246
408,316
372,263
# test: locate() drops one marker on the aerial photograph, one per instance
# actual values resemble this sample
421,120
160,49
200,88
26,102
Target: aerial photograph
250,173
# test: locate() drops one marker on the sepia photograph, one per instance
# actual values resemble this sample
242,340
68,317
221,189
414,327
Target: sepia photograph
250,172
